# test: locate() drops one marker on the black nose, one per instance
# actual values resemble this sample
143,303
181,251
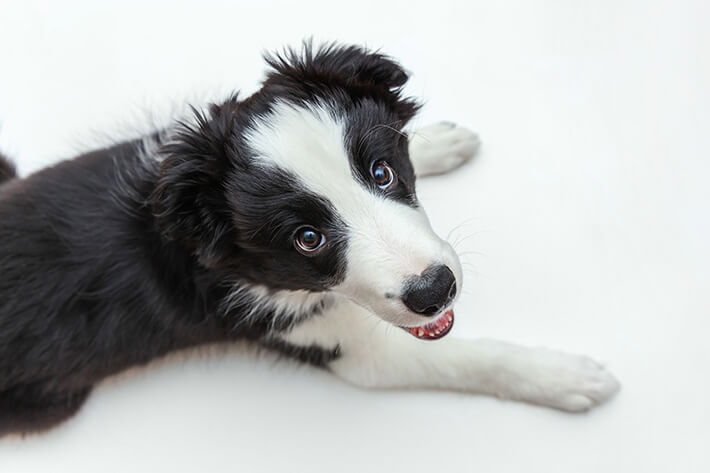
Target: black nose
430,292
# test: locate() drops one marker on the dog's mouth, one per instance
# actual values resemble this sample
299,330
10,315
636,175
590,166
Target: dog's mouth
434,330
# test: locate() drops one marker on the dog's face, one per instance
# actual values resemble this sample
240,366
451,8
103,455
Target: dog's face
307,185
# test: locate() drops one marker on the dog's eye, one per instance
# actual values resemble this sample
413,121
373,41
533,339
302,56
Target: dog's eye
383,174
309,240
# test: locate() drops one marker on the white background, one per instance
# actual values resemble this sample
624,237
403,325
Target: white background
586,222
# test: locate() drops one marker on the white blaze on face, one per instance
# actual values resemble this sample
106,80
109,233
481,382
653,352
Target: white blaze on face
387,241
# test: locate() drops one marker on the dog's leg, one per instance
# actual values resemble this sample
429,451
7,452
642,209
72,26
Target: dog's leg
375,354
441,147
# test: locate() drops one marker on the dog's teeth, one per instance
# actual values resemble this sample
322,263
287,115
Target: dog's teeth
421,332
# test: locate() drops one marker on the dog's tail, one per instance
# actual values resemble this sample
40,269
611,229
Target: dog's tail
7,169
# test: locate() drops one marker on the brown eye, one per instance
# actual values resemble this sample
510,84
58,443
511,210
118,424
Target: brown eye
309,240
383,174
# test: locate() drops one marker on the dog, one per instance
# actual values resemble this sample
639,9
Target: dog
288,218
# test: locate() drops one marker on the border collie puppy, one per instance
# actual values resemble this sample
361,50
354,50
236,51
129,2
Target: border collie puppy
288,218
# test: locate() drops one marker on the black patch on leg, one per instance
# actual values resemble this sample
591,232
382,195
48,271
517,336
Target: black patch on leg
312,354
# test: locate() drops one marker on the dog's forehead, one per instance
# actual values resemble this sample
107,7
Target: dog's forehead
310,143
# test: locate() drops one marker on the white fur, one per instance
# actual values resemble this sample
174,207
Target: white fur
441,147
388,242
376,355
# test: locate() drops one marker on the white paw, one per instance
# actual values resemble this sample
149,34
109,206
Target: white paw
560,380
441,147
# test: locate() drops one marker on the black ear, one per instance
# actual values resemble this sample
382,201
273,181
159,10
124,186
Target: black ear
348,63
188,201
361,65
317,72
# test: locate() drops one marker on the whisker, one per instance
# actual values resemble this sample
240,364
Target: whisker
374,128
472,252
467,237
465,222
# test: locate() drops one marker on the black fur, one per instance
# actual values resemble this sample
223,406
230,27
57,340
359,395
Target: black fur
110,260
7,170
347,73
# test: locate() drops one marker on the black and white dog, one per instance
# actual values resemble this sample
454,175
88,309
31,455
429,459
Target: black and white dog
288,218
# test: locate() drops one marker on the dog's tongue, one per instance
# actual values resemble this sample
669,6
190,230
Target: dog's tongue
435,329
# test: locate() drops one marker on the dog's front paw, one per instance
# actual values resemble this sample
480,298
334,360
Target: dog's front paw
560,380
441,147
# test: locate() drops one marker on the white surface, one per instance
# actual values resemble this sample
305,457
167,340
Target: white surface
588,213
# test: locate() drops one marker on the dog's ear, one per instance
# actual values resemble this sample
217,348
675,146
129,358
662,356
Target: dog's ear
363,72
360,65
188,201
346,62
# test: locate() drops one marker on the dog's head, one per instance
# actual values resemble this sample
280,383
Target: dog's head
307,186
